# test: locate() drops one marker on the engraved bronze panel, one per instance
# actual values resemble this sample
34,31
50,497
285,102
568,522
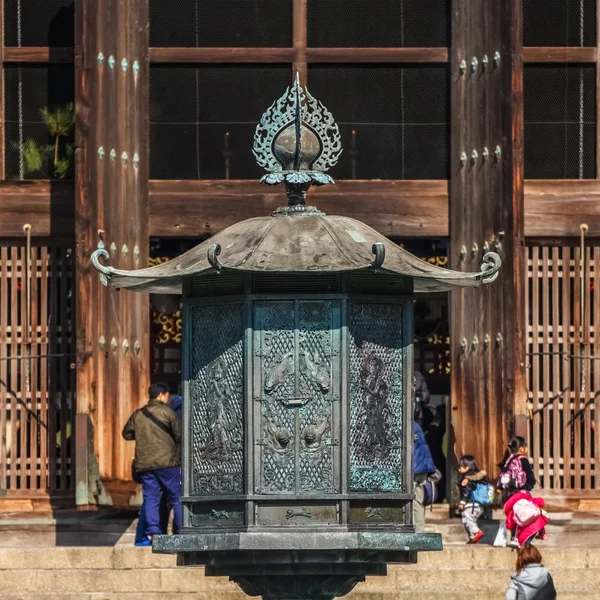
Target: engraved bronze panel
225,515
294,515
217,399
374,513
376,396
297,383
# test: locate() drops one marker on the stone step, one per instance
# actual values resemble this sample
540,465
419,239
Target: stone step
134,573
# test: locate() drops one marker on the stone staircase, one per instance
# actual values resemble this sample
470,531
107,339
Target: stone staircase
90,556
127,573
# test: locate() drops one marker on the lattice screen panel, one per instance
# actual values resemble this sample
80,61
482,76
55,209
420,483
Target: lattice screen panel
28,89
397,135
37,407
560,121
564,365
221,23
39,22
559,22
383,23
193,108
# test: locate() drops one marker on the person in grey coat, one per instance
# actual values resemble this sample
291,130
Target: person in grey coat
532,581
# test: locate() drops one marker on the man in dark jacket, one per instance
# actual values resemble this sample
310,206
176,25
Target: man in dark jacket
422,467
141,539
157,434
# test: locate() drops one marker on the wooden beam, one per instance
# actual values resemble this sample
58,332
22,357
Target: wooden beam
283,55
557,208
47,206
539,54
42,54
379,55
553,208
221,55
396,208
299,38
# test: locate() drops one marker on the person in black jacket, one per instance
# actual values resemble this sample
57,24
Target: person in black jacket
469,476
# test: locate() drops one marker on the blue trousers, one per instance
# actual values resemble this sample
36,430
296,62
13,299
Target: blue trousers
165,481
140,531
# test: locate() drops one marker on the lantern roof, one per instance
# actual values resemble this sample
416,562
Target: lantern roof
296,141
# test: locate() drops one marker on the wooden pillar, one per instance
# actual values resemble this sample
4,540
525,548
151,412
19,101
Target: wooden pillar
111,212
488,391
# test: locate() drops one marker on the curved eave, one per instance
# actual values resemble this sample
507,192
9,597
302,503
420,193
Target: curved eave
167,278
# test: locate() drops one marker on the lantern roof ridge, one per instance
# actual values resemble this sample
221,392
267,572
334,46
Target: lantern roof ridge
282,244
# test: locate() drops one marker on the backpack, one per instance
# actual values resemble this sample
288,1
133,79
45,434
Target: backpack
430,488
512,475
483,494
525,512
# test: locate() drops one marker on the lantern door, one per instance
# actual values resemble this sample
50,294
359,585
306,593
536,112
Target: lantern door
297,396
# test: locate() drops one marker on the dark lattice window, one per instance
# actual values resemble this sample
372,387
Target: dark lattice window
28,89
203,118
378,23
560,121
39,22
394,120
559,22
221,23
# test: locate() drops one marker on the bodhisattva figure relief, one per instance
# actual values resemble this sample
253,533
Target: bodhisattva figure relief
223,422
375,411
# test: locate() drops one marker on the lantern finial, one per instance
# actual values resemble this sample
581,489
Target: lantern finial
297,140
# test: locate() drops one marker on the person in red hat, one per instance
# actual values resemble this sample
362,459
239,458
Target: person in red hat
525,515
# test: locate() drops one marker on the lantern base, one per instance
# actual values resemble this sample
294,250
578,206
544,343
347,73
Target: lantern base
298,565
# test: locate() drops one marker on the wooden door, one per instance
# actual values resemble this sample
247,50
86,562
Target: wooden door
37,371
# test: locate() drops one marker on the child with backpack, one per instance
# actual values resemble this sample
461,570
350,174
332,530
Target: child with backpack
516,476
475,492
516,473
525,516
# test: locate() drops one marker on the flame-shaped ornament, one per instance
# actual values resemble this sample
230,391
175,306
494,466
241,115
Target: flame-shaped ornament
297,140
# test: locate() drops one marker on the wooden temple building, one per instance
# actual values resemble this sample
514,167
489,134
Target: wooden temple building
467,125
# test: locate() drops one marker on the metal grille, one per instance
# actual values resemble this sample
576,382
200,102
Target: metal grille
39,23
394,121
275,324
202,119
560,121
564,365
37,378
221,23
384,23
376,393
27,90
216,383
559,23
318,348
